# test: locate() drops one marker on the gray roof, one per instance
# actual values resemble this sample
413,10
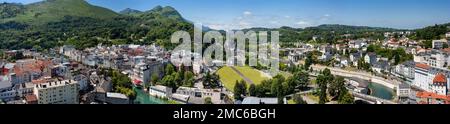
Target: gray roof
404,86
5,82
256,100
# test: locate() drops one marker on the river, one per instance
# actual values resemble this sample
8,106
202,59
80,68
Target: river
381,91
144,98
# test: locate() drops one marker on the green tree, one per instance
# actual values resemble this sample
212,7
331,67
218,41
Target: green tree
211,80
252,91
298,99
189,79
323,80
237,91
346,98
208,100
154,79
336,87
169,69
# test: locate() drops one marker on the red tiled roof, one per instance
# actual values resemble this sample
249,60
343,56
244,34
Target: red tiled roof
423,66
432,95
30,98
440,78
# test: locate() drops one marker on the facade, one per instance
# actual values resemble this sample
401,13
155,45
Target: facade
370,58
143,72
58,92
432,98
82,81
160,91
117,98
430,79
257,100
438,44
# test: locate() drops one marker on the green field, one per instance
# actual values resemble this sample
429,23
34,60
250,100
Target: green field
228,76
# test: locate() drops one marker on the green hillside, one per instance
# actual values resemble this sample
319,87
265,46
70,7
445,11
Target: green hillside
55,10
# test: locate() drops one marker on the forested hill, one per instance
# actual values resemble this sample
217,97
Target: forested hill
55,22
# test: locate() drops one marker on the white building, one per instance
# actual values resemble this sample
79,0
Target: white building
59,92
438,44
439,84
431,79
447,35
422,76
160,91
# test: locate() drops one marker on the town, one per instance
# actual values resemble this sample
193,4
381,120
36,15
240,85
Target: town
394,70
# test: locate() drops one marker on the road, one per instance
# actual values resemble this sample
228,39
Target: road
242,75
393,84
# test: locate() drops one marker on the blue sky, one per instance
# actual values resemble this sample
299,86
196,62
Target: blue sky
237,14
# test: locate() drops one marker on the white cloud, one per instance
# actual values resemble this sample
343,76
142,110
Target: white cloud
247,13
327,15
302,23
287,16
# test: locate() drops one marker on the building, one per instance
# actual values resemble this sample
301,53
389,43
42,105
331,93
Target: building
403,90
370,58
406,70
117,98
430,79
381,66
160,91
143,72
438,44
354,57
31,99
447,35
357,44
58,92
82,81
439,85
422,77
180,98
257,100
434,58
201,94
432,98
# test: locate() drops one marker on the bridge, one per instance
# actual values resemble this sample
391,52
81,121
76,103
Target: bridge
393,84
371,99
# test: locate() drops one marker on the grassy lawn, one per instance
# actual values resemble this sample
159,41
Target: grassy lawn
286,74
228,76
254,75
313,97
291,101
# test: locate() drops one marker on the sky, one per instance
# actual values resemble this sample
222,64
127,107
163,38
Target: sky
239,14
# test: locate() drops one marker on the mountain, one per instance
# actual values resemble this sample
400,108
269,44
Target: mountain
53,11
166,11
129,11
431,32
51,23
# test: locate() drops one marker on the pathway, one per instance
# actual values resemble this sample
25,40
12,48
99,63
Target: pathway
242,75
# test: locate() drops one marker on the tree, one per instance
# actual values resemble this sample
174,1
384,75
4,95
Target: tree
346,98
298,99
277,88
336,87
154,79
211,80
323,80
208,100
188,79
237,91
252,91
169,69
299,80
